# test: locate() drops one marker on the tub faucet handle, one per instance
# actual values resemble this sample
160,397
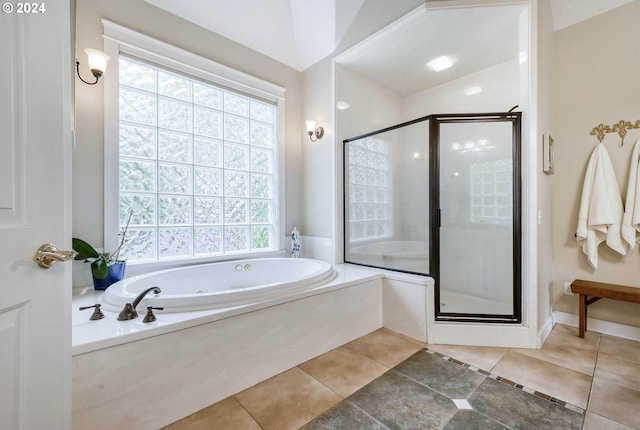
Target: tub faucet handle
150,317
97,313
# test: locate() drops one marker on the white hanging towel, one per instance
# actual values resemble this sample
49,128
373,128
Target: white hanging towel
631,219
601,210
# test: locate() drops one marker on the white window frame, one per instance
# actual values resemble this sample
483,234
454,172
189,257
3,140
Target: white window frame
119,39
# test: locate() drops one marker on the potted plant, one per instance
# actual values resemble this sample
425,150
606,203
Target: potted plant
106,267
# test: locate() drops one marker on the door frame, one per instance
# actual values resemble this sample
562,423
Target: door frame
515,118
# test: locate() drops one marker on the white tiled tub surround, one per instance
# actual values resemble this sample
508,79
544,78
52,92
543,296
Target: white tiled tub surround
128,373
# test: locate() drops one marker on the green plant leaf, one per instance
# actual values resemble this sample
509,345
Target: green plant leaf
83,249
99,269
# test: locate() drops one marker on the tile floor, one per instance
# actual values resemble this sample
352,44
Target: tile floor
352,387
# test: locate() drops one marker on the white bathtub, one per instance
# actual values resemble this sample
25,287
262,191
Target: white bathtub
218,285
190,360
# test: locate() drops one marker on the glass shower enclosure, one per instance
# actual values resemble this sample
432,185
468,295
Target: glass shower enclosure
440,196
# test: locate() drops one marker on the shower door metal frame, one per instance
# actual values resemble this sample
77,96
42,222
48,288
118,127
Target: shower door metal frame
345,185
435,214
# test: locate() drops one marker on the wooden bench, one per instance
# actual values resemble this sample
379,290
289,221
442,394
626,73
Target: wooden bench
597,291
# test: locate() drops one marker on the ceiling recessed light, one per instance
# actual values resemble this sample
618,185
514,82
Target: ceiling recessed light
342,105
473,90
440,63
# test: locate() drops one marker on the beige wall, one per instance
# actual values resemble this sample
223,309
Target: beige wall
596,79
544,238
88,200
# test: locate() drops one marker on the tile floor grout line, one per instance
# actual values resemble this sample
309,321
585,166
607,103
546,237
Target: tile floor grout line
419,383
493,419
613,419
346,345
323,384
501,358
602,376
247,411
426,386
516,385
453,414
592,384
367,413
593,378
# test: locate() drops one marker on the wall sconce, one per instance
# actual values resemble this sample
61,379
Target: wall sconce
97,64
313,130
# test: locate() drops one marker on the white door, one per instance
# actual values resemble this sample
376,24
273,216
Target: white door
35,186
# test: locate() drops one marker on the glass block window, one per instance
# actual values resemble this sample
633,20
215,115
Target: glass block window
491,192
197,166
369,189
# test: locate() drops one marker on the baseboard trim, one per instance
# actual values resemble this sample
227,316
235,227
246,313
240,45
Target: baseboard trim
544,332
600,326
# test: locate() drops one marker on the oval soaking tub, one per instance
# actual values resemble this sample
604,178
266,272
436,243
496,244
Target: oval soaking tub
215,285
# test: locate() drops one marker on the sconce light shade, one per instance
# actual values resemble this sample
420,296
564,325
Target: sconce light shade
97,60
312,131
311,126
97,64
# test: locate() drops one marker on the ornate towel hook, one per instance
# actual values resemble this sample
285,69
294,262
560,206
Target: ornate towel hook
599,131
621,127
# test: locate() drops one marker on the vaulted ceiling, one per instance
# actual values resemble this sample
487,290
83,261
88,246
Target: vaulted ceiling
295,32
301,32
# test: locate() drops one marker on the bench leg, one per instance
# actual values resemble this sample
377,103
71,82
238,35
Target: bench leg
582,315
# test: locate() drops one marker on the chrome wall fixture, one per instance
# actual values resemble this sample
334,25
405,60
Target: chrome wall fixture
314,132
97,64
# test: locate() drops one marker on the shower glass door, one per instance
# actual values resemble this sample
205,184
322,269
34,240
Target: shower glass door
386,221
477,191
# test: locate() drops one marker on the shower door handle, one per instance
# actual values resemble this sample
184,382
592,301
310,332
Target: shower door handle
439,218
